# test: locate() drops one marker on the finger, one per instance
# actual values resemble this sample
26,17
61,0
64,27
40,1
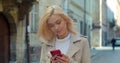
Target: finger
64,58
54,61
64,55
54,57
61,61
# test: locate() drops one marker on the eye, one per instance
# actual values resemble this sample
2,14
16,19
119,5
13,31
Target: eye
58,22
50,25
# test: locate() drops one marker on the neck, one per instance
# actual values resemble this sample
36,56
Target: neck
63,35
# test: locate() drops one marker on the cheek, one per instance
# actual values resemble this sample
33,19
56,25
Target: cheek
52,29
64,26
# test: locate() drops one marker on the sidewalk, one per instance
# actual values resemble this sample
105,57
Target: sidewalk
107,55
96,50
93,52
107,48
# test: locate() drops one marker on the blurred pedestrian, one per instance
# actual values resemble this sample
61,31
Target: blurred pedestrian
57,32
113,41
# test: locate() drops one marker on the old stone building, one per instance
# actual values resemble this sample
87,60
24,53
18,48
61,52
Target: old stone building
95,23
13,18
117,30
103,22
80,12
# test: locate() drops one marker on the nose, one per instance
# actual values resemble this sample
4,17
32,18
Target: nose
56,27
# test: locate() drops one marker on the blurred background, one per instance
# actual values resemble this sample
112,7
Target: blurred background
98,20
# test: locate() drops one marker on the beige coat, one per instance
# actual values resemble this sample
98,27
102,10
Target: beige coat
78,51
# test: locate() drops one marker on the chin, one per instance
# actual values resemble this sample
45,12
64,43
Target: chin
59,34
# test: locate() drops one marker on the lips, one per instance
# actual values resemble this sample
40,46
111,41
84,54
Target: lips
58,32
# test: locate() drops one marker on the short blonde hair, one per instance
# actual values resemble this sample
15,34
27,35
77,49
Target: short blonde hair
44,31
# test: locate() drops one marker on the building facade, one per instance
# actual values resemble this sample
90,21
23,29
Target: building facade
117,17
13,29
80,12
95,23
103,23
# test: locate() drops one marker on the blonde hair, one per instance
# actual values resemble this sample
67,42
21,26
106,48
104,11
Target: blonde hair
44,31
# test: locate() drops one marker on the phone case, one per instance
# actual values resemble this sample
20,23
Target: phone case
56,52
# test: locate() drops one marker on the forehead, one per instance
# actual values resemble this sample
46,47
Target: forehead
54,18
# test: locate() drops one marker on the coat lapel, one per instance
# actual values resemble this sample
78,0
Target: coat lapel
50,46
75,45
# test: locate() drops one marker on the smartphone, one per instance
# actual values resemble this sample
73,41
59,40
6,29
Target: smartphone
56,52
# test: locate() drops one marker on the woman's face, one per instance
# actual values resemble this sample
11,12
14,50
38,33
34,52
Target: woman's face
58,25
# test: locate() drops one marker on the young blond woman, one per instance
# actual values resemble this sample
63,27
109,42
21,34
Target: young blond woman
56,31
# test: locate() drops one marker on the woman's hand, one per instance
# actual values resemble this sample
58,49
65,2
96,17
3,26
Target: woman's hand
58,59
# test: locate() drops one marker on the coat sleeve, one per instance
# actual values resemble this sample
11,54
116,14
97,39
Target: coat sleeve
86,52
72,61
42,55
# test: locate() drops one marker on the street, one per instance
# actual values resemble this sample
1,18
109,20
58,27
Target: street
107,56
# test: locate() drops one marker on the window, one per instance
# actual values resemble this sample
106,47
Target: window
65,6
81,27
85,28
33,19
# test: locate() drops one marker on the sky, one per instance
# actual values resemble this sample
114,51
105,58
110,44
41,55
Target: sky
112,5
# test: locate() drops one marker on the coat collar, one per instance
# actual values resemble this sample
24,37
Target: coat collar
74,38
74,45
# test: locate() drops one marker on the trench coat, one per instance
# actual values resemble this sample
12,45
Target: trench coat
78,51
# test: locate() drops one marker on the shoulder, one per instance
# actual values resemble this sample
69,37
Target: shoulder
84,38
79,38
43,45
84,41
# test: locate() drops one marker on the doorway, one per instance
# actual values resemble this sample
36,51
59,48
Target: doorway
4,40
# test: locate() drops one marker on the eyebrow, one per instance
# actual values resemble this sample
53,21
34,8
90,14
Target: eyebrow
55,21
58,20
